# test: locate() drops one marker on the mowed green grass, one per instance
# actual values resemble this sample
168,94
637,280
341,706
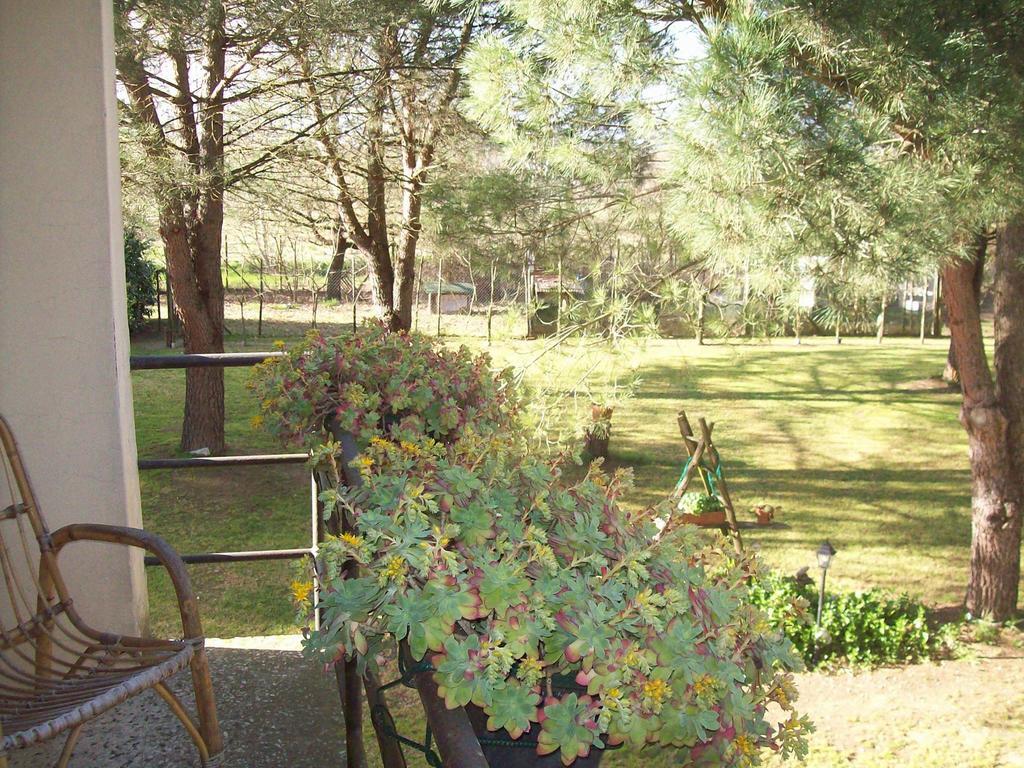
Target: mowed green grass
851,440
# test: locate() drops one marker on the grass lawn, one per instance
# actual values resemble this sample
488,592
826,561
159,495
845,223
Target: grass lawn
853,441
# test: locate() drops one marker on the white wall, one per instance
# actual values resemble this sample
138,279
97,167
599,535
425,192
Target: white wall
64,379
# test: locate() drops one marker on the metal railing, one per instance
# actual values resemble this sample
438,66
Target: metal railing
230,360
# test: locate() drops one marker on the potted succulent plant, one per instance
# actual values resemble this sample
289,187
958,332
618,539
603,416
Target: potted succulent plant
469,553
704,509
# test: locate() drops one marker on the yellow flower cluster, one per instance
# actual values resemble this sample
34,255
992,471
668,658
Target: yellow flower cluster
530,671
707,689
655,692
785,692
745,748
394,571
442,538
352,540
301,590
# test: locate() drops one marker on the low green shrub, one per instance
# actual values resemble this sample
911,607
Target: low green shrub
474,551
862,628
139,282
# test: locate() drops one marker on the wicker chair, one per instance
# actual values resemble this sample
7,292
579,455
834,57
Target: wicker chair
56,671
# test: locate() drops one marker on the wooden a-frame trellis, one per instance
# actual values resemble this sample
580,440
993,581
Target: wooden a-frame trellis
704,461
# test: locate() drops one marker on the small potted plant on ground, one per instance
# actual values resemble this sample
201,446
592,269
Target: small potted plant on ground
471,555
765,513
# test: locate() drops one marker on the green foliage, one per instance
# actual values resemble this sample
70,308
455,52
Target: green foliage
862,628
697,503
139,279
486,560
384,385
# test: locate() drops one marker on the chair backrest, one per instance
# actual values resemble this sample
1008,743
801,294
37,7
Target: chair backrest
35,595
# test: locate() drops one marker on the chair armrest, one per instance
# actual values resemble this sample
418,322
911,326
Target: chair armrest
164,552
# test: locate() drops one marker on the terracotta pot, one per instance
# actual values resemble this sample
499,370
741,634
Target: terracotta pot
765,514
707,520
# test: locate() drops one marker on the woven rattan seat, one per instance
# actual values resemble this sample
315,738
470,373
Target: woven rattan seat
56,671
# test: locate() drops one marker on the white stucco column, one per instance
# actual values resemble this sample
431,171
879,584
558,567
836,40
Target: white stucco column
64,377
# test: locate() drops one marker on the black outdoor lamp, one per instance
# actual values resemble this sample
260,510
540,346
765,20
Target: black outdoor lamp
825,554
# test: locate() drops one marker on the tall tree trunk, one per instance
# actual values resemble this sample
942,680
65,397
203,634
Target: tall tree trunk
193,268
700,317
937,307
381,265
203,425
993,416
334,272
951,373
408,238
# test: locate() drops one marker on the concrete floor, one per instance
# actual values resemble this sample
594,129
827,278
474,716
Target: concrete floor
275,708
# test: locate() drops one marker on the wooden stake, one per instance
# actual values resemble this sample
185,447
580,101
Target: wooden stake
723,488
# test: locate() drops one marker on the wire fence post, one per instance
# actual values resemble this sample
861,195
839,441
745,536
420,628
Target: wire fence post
526,294
259,325
416,296
924,307
490,305
437,305
558,309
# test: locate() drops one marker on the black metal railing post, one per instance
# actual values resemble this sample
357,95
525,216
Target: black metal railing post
229,360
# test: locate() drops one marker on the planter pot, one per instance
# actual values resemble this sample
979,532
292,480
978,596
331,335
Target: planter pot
708,519
765,514
524,753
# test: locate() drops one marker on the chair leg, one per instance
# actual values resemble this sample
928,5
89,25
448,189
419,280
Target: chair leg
175,705
206,706
69,747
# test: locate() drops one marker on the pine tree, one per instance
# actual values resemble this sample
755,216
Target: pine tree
874,138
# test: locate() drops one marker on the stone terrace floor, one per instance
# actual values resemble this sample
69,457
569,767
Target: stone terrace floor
275,708
278,711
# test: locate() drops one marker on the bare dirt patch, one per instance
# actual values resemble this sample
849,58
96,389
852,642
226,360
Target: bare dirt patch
968,712
931,384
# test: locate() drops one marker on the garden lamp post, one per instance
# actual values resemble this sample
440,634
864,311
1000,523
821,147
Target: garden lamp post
825,554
